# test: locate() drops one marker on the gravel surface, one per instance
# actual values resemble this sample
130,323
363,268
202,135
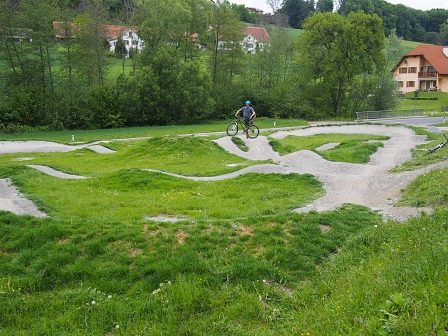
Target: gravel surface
369,184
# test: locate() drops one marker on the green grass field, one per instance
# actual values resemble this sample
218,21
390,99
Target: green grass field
87,136
354,148
237,261
430,106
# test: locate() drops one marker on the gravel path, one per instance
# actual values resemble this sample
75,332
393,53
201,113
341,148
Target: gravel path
370,184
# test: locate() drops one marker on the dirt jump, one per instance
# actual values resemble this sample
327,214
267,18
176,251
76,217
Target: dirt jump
371,185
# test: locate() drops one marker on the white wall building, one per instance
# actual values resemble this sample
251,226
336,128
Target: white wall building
129,35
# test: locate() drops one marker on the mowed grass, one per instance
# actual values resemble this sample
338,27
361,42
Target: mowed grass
247,265
120,189
186,155
431,106
88,136
353,148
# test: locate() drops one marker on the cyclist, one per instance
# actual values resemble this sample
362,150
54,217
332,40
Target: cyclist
248,115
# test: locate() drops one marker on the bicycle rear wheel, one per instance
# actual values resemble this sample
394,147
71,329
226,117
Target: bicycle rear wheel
232,128
253,131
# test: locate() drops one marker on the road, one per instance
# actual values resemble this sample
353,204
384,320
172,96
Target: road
415,121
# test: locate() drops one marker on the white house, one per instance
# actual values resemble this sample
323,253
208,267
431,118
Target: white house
255,38
129,35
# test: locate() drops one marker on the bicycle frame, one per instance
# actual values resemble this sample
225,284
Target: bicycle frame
251,131
439,146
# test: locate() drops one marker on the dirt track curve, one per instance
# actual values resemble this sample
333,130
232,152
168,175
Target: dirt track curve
369,184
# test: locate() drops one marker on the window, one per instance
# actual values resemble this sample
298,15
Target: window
130,34
400,84
413,70
403,70
410,84
135,42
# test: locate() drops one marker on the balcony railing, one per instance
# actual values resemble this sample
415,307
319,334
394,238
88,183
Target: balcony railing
427,74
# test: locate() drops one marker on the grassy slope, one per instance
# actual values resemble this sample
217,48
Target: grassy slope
97,267
430,106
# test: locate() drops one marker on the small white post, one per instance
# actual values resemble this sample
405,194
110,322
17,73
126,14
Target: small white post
274,122
73,137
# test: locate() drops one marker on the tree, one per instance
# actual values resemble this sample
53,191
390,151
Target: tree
349,6
11,36
324,6
167,90
166,21
244,14
92,46
120,48
444,28
274,4
331,60
297,11
26,47
225,36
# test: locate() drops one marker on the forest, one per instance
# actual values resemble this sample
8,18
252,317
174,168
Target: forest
409,23
76,82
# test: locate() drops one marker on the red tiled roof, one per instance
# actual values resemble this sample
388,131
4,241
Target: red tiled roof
60,28
254,10
112,32
260,34
434,55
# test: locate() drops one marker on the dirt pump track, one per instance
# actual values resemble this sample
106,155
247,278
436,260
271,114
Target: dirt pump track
371,185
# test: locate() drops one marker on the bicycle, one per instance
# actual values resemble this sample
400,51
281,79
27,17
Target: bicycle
439,146
252,131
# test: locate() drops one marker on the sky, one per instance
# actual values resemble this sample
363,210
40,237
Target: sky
416,4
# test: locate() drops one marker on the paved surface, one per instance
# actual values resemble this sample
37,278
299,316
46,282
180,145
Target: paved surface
415,121
370,184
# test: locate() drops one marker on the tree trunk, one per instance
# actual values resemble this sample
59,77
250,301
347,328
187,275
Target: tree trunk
340,92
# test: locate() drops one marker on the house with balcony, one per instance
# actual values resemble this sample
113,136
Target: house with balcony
424,68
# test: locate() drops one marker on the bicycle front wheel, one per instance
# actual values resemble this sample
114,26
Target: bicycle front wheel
232,128
253,131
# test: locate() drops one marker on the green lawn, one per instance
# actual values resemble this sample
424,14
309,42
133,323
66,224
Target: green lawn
354,148
86,136
431,107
